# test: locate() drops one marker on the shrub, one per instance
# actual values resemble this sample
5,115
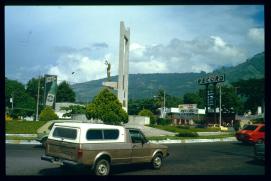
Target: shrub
47,114
201,122
163,121
183,127
257,121
148,113
8,117
187,134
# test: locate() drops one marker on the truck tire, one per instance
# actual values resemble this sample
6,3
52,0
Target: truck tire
102,167
157,161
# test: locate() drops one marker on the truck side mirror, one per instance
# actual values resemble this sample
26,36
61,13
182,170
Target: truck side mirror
143,141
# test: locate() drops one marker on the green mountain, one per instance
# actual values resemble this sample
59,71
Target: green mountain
175,84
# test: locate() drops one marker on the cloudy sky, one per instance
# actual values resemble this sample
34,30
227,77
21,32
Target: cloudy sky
60,40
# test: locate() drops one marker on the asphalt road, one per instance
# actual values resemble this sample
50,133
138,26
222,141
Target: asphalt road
224,158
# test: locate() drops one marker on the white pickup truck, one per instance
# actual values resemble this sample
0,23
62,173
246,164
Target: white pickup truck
99,146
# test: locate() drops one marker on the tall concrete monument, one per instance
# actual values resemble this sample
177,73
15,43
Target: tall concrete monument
122,84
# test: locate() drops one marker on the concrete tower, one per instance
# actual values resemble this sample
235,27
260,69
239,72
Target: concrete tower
122,84
123,66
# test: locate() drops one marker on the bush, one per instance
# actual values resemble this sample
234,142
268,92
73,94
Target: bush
8,117
257,121
187,134
148,113
201,122
183,127
47,114
163,121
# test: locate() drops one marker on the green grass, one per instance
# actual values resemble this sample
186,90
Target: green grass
180,129
19,138
23,127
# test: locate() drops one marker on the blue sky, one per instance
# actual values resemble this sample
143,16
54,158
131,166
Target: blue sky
60,40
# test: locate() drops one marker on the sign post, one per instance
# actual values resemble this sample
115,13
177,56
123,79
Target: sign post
50,90
211,95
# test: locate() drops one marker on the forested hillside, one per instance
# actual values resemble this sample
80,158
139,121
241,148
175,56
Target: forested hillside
175,84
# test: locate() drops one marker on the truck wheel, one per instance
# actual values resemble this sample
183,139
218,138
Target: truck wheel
157,161
102,168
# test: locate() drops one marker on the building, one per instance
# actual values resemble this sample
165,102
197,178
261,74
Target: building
183,114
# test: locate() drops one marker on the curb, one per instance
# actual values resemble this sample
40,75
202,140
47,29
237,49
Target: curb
23,142
22,135
232,139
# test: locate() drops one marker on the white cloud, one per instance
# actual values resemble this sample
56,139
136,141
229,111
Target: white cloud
200,54
219,42
84,68
178,56
256,34
152,66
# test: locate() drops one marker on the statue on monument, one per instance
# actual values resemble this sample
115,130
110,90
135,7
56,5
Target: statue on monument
108,70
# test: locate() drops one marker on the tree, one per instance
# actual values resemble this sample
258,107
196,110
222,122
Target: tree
231,103
23,103
74,109
193,98
173,101
32,89
148,113
252,92
106,107
160,98
65,93
47,114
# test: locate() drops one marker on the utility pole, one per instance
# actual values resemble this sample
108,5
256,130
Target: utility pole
164,104
11,101
44,91
37,113
219,105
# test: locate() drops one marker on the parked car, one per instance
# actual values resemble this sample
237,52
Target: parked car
44,130
259,151
251,133
98,146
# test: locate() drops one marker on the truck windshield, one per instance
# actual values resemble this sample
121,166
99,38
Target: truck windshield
67,133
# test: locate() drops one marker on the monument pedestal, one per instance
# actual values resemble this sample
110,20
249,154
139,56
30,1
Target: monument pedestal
113,85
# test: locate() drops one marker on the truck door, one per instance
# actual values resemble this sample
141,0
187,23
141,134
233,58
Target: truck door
141,151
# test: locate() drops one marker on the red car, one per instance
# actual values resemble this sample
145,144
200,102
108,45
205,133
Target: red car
251,133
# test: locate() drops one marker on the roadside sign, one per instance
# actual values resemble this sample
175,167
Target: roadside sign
213,78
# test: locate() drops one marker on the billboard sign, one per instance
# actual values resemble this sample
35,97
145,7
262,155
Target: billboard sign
213,78
188,108
50,90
